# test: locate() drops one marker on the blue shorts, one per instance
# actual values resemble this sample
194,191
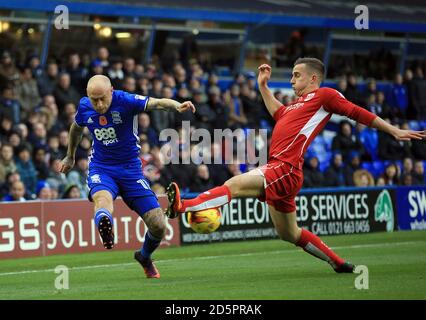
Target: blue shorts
125,180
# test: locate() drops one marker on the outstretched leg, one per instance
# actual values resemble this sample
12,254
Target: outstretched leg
156,224
250,184
287,229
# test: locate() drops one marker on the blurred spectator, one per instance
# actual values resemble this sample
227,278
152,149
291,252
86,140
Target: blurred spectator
391,149
416,89
157,87
116,74
418,148
78,175
354,165
162,119
352,93
77,72
406,179
71,192
47,83
221,110
398,96
64,92
419,177
27,92
202,181
183,94
56,179
43,191
25,167
17,192
345,141
251,105
6,126
145,128
5,187
33,61
387,111
369,140
102,57
237,117
9,106
335,174
129,67
139,86
38,137
363,178
63,141
407,166
206,116
313,176
8,68
7,164
53,147
40,163
84,147
380,182
67,117
184,171
391,176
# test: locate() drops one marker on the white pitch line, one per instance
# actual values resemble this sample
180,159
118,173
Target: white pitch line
372,245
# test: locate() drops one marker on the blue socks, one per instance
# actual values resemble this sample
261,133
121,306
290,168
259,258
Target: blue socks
150,244
101,213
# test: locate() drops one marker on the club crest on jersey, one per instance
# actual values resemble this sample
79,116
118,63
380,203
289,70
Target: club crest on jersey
103,121
309,96
116,117
95,178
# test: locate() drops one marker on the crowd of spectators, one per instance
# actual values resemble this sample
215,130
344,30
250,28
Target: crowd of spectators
38,104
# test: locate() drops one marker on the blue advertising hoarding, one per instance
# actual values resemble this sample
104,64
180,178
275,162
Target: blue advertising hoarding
411,208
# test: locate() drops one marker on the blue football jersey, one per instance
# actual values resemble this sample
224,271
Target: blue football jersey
115,133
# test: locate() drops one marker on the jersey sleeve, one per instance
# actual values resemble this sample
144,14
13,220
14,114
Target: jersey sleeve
278,113
137,103
335,102
79,118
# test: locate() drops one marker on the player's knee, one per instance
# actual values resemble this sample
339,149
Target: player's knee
234,186
103,201
156,224
288,235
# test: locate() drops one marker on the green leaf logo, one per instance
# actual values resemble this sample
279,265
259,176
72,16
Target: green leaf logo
383,210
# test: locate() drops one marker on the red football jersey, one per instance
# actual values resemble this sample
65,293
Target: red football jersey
300,122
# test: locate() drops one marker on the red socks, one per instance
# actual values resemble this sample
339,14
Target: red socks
212,198
313,245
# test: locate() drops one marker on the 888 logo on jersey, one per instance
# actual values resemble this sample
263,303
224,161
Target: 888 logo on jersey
106,135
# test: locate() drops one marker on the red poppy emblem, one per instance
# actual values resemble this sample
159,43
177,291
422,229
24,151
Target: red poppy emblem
103,121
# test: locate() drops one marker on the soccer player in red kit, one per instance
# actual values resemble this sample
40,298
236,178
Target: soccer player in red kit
279,181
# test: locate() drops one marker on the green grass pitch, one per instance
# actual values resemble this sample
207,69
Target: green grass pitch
249,270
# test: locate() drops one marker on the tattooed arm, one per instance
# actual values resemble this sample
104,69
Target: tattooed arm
75,135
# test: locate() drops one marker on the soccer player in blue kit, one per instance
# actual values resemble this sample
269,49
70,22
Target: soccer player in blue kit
114,164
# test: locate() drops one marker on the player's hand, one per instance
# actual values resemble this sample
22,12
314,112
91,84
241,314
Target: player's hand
406,135
67,164
264,74
185,106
